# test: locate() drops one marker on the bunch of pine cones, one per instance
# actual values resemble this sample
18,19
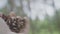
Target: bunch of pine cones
15,23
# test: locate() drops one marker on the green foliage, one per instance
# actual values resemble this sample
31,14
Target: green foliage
48,26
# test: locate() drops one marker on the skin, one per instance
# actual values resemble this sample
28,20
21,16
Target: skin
27,27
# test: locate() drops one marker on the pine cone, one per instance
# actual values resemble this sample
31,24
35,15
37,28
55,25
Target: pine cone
15,24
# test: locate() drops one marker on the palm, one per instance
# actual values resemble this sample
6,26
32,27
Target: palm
18,29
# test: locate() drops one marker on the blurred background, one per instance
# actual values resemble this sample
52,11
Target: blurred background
44,14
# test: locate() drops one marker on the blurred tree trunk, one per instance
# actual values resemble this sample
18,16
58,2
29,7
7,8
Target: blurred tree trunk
29,8
29,5
11,6
47,17
57,16
22,14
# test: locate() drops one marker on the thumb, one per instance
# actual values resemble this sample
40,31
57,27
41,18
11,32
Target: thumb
26,19
27,25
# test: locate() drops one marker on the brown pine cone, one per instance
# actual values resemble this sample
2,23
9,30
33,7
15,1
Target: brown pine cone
16,24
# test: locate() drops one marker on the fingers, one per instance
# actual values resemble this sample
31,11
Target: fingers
27,25
26,19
